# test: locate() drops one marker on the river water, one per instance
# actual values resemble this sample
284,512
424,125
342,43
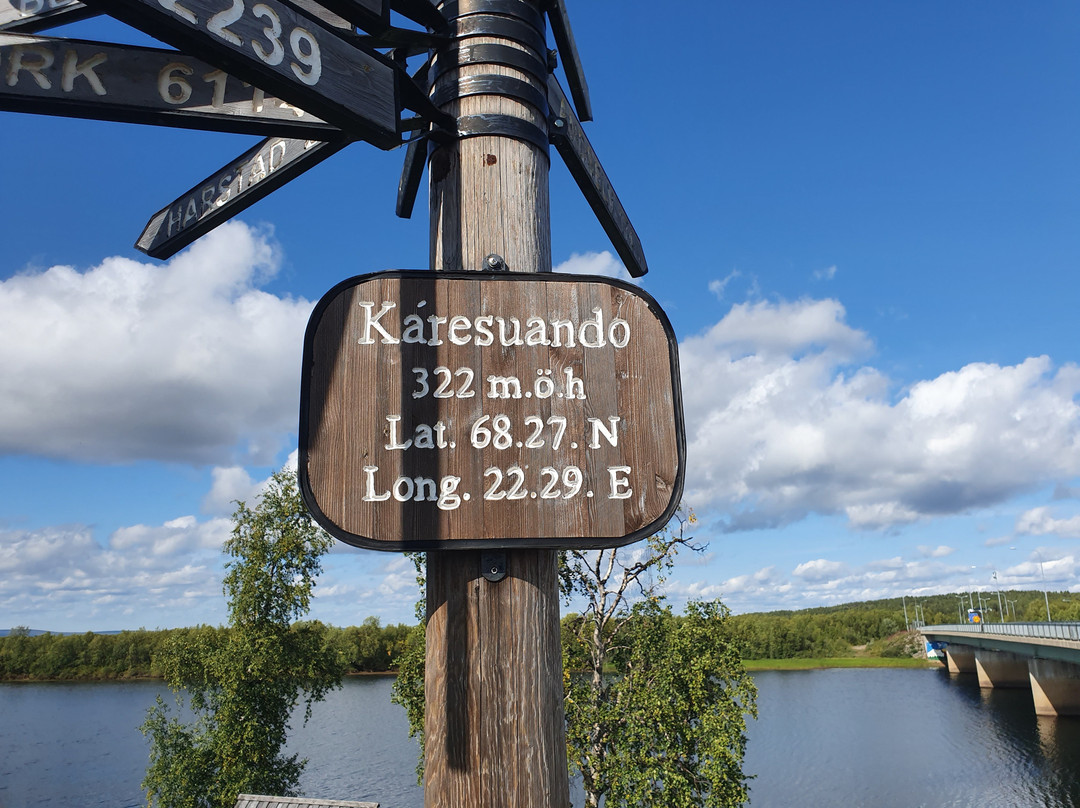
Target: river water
889,738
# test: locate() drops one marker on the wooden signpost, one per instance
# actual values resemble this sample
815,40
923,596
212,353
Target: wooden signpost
488,418
472,410
285,51
81,79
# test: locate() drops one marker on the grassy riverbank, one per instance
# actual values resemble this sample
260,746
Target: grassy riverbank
836,662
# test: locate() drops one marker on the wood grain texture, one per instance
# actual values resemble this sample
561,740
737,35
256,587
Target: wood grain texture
494,726
528,410
494,718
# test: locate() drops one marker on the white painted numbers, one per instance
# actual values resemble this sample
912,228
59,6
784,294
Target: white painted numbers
142,77
278,38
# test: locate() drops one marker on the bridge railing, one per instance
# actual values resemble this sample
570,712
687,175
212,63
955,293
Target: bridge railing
1044,631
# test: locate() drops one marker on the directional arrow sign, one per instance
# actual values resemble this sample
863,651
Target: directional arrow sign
568,53
28,16
569,138
282,49
140,85
231,190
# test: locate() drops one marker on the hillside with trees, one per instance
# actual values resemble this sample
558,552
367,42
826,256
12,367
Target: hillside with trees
867,627
873,626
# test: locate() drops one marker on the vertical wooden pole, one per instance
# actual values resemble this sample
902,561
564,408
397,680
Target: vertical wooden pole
495,735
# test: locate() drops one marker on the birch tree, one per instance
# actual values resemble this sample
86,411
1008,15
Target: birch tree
243,684
656,704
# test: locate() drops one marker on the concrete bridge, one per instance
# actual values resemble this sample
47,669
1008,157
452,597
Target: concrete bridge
1042,656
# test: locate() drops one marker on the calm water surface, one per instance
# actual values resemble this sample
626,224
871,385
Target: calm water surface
876,738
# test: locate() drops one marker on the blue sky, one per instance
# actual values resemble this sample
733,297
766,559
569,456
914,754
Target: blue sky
861,219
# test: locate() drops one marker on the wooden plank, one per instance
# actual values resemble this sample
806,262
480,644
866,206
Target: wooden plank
264,801
371,15
228,192
82,79
455,703
490,410
571,60
574,147
283,49
29,16
489,194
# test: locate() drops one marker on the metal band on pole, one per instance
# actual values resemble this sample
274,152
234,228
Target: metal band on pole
490,53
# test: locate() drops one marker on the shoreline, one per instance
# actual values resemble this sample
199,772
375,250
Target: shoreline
751,665
823,663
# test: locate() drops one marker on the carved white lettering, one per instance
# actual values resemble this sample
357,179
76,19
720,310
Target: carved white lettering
370,322
610,432
492,329
32,59
620,482
443,491
74,68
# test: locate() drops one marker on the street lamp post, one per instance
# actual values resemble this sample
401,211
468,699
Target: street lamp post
1046,595
1001,611
1042,574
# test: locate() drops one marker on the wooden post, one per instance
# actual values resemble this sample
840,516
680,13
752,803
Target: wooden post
494,728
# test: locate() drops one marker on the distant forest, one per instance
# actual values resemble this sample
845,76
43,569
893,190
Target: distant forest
875,627
370,647
868,628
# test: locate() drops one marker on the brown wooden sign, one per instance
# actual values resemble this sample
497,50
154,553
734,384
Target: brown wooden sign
481,410
283,49
82,79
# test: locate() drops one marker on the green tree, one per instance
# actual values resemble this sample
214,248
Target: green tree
243,684
408,688
655,703
657,717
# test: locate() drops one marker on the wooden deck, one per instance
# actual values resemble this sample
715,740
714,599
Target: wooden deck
262,801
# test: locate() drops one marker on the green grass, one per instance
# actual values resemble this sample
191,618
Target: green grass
836,662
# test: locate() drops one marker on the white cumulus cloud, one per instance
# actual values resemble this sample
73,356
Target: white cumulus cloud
189,361
595,263
785,418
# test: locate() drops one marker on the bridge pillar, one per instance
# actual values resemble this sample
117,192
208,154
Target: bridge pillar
1055,687
961,658
1001,669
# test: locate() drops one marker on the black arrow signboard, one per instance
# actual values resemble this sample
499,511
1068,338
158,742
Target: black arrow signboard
28,16
81,79
576,151
231,190
283,50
